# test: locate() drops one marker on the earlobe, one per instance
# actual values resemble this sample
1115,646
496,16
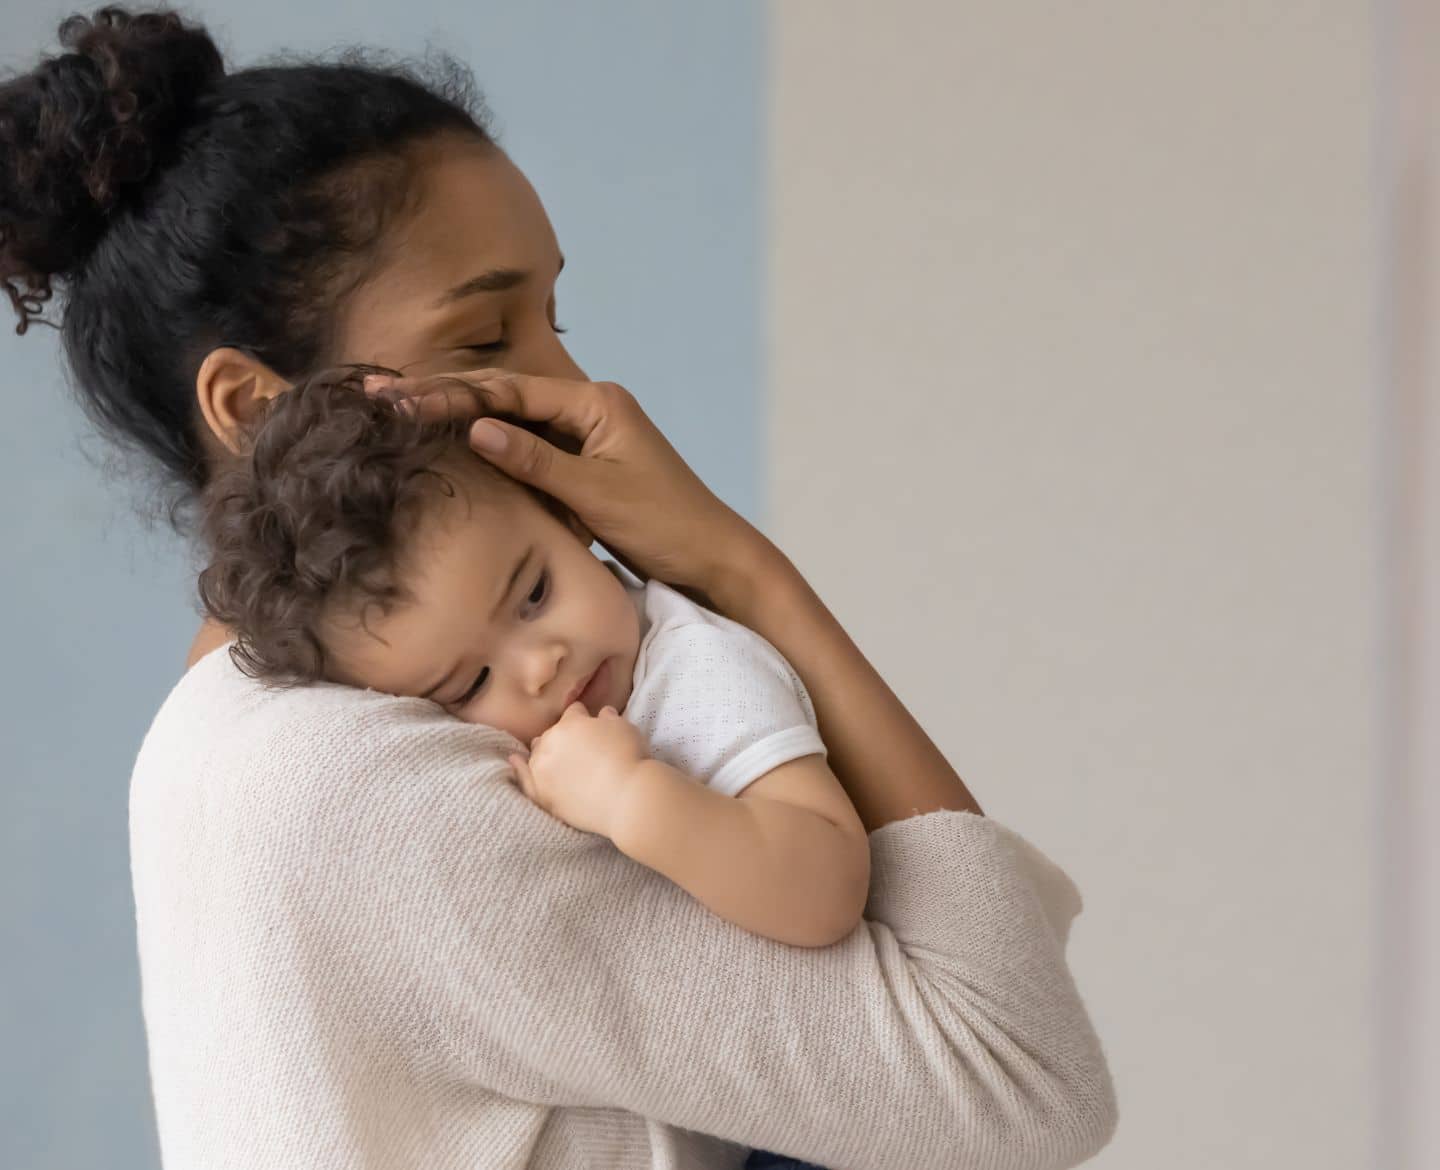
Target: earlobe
230,389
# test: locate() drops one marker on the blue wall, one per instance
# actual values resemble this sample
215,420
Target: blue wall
639,124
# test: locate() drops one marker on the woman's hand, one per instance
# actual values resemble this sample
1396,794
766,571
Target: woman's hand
631,489
579,768
627,485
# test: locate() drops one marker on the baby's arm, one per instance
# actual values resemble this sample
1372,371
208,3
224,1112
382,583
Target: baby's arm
788,858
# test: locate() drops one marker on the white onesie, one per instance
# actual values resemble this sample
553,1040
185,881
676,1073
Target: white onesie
712,697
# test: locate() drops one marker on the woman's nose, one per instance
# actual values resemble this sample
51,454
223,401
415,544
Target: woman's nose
556,362
569,367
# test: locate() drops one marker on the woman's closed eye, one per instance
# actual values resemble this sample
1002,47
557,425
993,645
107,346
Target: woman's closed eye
501,345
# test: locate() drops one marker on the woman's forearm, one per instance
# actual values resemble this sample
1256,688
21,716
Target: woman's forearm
882,756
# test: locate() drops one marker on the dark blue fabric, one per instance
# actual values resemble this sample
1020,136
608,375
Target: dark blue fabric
765,1160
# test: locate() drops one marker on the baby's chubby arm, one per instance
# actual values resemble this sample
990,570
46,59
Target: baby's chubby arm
788,858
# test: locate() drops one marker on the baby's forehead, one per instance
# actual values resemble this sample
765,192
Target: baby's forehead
460,488
498,505
476,524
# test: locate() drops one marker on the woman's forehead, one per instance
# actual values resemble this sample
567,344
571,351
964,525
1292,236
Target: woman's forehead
475,204
475,214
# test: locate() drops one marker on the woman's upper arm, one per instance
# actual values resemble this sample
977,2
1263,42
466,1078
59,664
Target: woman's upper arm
947,1031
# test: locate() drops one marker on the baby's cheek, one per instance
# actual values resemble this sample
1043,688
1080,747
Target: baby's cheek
477,714
525,730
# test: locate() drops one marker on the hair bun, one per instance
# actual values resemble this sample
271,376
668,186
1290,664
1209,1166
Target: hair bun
86,126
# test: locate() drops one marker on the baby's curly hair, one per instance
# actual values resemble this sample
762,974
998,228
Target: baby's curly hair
316,516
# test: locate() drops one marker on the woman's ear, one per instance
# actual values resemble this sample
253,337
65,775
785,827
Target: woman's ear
231,387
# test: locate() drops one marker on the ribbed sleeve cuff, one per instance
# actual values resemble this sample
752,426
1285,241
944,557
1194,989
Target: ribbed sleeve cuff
941,856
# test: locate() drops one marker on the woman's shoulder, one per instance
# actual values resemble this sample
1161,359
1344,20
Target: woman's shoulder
218,722
214,694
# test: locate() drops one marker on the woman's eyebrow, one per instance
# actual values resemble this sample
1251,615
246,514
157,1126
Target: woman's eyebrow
495,280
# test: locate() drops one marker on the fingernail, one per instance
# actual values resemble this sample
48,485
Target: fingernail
374,382
489,437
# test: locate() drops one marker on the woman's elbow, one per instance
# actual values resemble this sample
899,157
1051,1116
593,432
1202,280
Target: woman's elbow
1082,1131
1101,1115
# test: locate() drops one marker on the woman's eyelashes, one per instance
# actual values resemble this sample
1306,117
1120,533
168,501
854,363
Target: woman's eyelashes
536,597
501,345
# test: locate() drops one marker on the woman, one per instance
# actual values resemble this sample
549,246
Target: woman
360,944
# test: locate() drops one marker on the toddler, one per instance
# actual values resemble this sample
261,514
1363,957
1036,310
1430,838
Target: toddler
358,545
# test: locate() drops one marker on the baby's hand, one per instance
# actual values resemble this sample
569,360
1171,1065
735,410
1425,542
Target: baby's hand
579,768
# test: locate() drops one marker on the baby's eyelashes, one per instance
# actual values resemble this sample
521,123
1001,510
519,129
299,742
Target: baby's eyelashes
474,689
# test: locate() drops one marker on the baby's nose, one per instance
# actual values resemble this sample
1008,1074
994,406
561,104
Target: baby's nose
545,670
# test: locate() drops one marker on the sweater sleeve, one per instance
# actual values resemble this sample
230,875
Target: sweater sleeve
547,966
506,950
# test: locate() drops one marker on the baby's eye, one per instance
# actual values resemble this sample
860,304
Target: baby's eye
541,590
475,687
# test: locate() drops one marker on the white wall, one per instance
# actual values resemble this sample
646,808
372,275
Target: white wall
1073,423
1408,934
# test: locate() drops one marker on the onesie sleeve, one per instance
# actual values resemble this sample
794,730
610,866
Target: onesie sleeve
721,704
542,963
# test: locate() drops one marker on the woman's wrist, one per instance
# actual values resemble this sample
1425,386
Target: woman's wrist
890,768
745,569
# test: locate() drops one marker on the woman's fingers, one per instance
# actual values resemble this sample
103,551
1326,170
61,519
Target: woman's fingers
567,405
530,459
433,399
478,393
606,461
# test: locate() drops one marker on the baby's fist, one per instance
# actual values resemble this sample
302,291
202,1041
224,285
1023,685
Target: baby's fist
579,768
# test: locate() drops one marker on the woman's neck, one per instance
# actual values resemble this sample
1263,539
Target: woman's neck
210,636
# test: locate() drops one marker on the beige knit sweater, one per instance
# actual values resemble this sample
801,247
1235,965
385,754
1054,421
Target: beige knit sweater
362,947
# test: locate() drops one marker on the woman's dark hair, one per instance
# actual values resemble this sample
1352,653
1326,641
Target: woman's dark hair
183,208
315,521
